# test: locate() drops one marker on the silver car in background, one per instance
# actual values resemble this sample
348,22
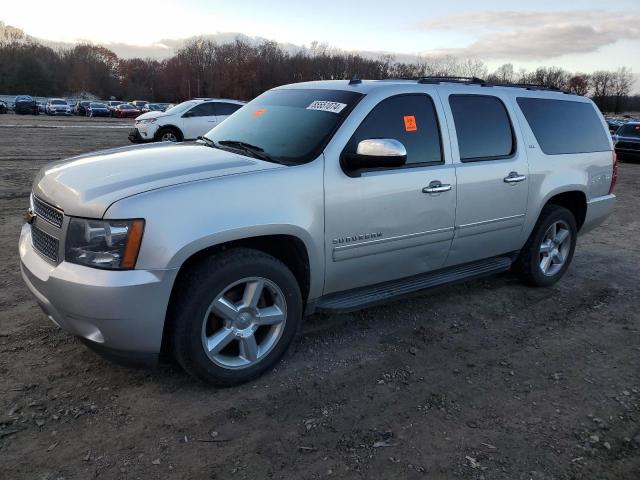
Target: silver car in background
322,196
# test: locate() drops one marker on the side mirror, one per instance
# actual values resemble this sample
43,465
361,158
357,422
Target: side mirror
376,153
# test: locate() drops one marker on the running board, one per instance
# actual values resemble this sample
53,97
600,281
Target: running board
380,293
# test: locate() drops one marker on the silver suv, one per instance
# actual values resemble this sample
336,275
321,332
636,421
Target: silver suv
327,196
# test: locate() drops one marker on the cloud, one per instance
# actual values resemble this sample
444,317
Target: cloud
535,35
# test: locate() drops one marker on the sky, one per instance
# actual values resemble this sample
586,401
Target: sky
579,35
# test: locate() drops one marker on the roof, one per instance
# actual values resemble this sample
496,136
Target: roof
368,86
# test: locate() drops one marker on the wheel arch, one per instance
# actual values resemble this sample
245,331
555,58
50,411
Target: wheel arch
289,249
170,126
574,200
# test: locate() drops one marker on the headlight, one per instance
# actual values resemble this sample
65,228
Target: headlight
146,120
110,244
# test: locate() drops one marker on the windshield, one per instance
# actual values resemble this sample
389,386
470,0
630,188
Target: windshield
126,106
181,107
629,130
58,102
97,105
291,125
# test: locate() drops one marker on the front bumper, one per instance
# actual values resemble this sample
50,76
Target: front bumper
598,209
118,313
139,135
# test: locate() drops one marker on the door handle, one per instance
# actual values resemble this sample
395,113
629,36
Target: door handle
515,177
436,187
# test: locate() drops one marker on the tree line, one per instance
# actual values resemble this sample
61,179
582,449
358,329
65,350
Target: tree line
203,68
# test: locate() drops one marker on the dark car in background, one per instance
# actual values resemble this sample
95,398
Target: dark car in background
3,107
125,110
26,105
97,109
627,141
81,107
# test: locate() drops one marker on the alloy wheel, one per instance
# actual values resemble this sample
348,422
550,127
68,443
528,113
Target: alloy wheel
555,248
244,322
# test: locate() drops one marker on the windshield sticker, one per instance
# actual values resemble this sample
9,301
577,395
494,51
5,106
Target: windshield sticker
410,123
259,112
325,106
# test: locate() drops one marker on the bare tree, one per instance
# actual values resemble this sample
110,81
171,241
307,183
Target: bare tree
621,87
579,84
602,85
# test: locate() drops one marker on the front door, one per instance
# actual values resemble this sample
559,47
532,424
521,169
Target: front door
492,171
199,120
390,223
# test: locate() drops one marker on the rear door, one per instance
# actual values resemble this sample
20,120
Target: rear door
384,224
198,120
492,173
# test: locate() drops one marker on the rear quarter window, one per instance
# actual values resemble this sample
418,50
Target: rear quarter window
564,126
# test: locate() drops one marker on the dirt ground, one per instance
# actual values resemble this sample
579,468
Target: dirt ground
487,379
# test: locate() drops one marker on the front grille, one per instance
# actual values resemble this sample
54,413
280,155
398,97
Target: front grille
45,243
47,212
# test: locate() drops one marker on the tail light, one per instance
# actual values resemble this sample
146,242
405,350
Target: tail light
614,175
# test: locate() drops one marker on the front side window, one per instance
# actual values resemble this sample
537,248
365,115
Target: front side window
564,126
482,126
411,119
291,125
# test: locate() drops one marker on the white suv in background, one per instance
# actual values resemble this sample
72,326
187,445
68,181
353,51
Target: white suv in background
186,121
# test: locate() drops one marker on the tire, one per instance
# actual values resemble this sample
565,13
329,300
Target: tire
200,315
168,134
550,246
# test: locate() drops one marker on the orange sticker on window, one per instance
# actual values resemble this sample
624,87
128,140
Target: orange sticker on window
410,123
259,112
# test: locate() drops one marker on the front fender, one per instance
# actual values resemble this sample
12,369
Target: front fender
184,219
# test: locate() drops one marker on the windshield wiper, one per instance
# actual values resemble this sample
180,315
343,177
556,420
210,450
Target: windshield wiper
254,150
208,142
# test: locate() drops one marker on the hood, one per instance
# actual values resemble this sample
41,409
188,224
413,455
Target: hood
87,185
151,114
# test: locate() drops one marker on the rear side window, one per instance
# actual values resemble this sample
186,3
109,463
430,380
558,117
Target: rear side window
226,108
410,119
563,126
203,110
482,126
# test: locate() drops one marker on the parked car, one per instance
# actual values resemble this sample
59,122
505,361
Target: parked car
111,104
42,106
25,104
185,121
125,110
3,107
98,109
153,107
81,107
322,196
627,141
57,106
139,104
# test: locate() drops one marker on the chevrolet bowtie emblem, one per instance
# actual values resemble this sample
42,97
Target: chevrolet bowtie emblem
29,216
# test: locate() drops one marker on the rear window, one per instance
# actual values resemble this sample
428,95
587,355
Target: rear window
482,126
563,126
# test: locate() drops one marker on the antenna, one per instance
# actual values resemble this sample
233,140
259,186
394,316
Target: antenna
355,80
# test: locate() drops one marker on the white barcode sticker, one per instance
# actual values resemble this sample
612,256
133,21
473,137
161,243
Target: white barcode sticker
325,106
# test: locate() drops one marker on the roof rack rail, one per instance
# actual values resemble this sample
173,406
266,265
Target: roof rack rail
531,86
450,79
